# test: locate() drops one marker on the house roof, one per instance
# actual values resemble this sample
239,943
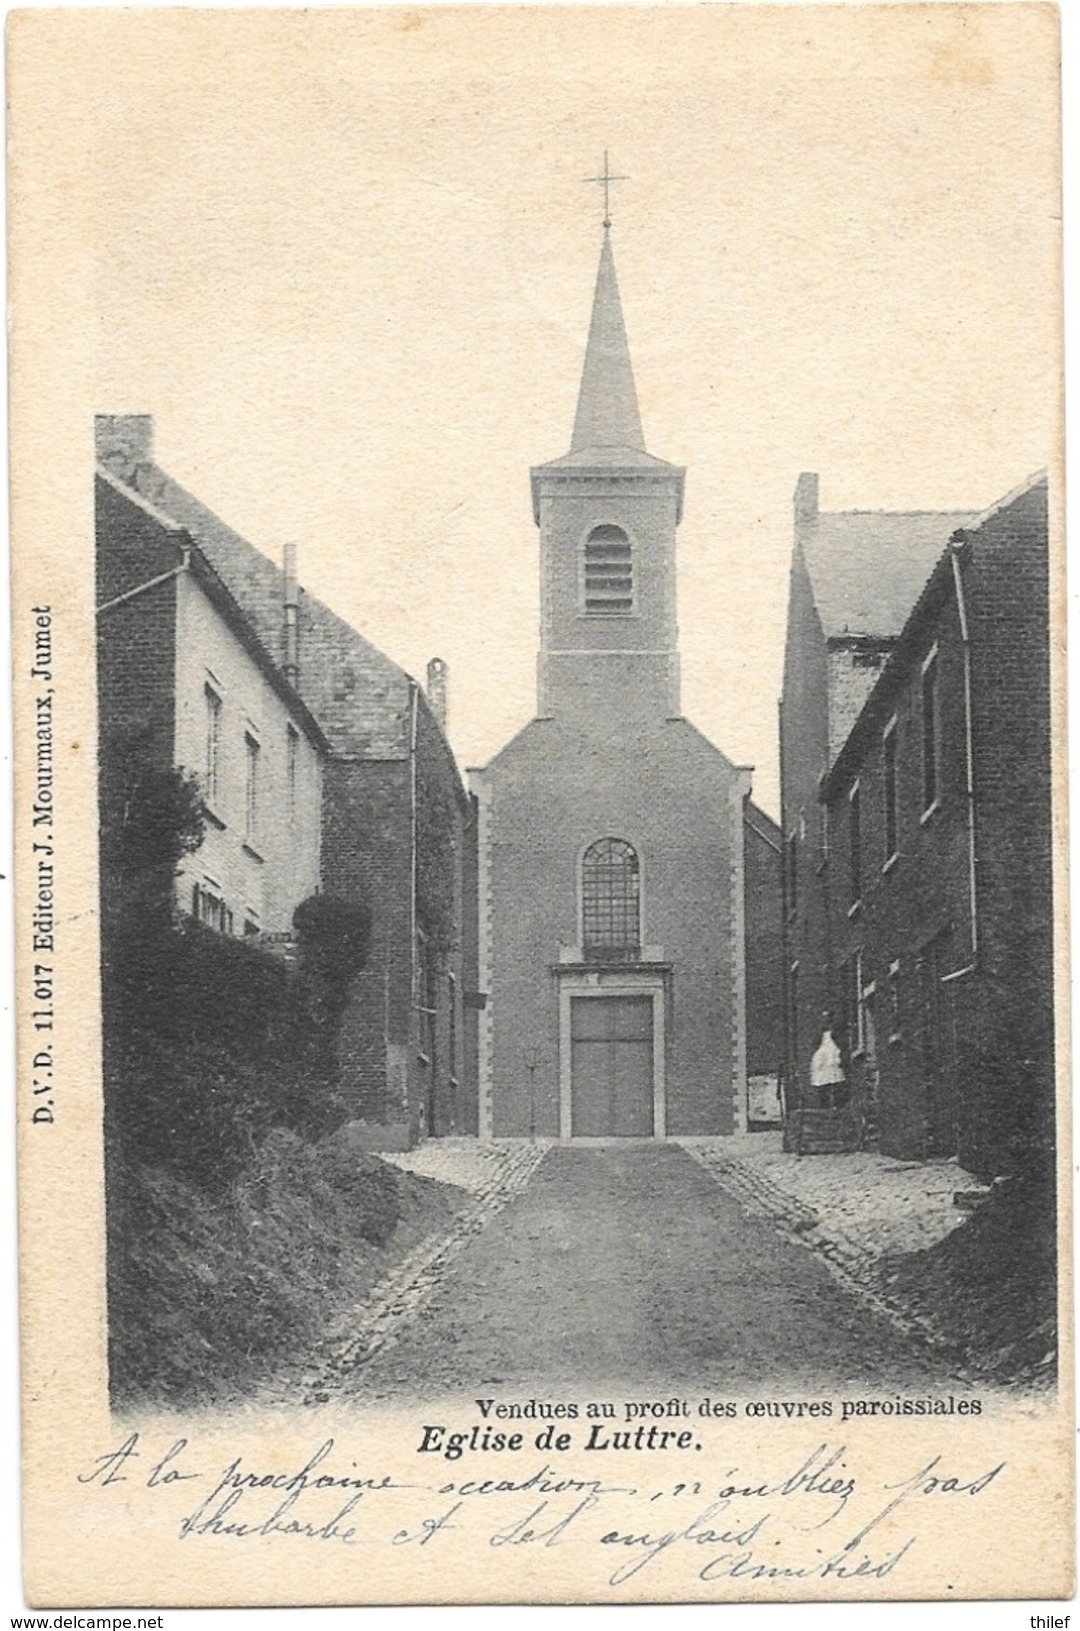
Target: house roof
191,557
760,822
867,567
359,696
938,585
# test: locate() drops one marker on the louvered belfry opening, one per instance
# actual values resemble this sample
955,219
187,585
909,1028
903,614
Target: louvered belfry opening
611,901
609,573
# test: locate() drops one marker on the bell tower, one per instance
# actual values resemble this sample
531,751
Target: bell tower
607,513
610,841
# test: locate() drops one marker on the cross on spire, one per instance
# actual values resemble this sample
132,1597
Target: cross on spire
605,181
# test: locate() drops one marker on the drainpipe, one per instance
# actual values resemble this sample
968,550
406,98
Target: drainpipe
956,545
791,1101
291,605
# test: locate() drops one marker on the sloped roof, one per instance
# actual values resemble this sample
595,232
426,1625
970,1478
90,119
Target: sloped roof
359,697
939,582
607,410
584,734
217,592
760,822
867,567
607,425
615,458
607,432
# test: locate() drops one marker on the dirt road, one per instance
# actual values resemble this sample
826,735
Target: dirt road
628,1268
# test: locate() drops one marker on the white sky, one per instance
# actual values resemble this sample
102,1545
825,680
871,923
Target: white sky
346,260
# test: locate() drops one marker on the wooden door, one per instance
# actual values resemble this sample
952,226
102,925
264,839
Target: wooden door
611,1067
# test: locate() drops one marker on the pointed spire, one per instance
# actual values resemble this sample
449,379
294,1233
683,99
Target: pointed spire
607,411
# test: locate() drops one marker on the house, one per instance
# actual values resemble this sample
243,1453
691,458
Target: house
184,682
938,813
612,836
394,812
855,576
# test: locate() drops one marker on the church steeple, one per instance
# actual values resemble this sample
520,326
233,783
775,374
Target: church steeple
607,512
607,415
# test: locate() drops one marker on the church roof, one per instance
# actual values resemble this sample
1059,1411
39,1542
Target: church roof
868,567
607,412
645,740
607,425
607,431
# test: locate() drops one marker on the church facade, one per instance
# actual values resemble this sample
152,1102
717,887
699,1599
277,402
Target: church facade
611,834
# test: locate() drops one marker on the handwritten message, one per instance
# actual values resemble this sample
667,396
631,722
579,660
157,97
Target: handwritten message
803,1514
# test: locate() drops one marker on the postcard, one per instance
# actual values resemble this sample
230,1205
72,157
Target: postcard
538,635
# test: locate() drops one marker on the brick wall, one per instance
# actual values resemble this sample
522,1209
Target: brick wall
854,666
764,961
914,922
1008,608
133,545
366,848
804,751
470,971
826,685
136,641
442,1084
136,656
400,1063
906,905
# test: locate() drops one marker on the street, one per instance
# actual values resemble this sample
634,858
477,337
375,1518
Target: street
626,1269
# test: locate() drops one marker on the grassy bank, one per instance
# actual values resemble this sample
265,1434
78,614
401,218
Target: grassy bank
210,1292
990,1288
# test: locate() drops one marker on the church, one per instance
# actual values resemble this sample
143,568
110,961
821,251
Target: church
614,841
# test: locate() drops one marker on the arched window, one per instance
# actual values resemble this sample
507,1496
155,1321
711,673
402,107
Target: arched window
610,898
609,573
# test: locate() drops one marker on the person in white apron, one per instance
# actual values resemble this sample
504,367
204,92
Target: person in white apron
827,1078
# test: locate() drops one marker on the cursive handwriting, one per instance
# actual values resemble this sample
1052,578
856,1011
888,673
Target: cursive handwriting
816,1518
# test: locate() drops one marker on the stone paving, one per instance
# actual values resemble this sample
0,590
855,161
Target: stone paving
877,1204
467,1162
853,1210
493,1174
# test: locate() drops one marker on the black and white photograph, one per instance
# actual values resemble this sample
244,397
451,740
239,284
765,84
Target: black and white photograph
539,645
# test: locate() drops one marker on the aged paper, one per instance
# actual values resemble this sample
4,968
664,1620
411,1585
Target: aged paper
343,261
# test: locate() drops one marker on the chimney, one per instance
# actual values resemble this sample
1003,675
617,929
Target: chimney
436,690
291,629
124,440
806,498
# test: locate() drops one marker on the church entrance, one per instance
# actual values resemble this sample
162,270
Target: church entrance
611,1067
611,1054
